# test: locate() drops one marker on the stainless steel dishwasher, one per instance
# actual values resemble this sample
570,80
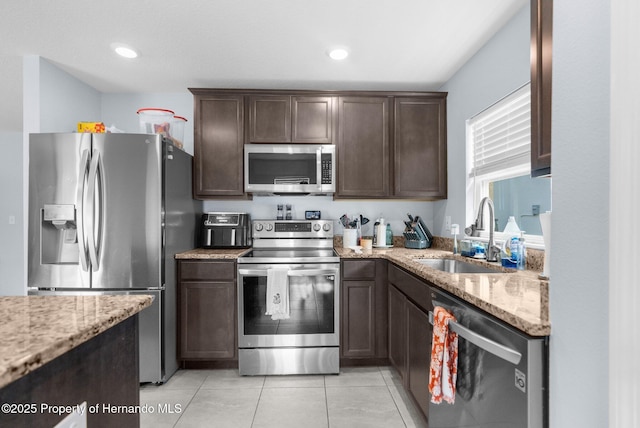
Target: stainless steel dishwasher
502,373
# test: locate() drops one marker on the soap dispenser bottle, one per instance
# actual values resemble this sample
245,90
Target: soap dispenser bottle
522,250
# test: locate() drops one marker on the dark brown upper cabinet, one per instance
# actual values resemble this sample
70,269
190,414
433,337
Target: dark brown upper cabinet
420,148
389,144
269,119
363,147
290,119
541,40
392,147
218,145
312,119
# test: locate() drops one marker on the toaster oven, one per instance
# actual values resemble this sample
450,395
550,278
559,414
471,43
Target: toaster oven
225,230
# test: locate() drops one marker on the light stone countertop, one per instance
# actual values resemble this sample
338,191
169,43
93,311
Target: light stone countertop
213,254
518,298
37,329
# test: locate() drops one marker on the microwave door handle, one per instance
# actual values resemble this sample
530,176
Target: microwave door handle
319,168
485,343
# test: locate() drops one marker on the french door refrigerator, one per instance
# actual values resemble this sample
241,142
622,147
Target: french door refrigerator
107,213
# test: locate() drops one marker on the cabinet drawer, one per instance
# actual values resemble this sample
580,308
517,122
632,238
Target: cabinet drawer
358,269
414,288
208,271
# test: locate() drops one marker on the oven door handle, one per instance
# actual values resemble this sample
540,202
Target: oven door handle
485,343
293,272
312,272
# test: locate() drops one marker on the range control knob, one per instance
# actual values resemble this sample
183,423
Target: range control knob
326,227
258,227
316,227
269,227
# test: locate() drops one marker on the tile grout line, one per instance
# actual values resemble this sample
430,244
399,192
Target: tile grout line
189,403
255,412
326,400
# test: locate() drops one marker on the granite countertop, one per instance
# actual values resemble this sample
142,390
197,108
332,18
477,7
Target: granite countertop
213,254
37,329
518,298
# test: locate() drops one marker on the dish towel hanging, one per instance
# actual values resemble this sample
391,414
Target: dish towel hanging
444,358
278,293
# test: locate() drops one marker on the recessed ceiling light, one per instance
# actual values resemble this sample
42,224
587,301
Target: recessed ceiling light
338,54
124,50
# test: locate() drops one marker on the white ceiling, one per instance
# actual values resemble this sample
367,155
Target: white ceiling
394,45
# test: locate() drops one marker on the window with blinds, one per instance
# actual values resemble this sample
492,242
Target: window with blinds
499,166
501,135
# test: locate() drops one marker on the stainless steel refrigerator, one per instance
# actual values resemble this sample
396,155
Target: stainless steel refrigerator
107,213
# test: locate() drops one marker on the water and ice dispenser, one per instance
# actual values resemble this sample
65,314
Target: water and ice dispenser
58,234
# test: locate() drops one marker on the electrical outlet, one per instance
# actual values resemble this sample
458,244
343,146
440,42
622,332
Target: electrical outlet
447,223
12,219
535,209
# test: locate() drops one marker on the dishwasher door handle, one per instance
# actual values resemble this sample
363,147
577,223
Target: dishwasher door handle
480,341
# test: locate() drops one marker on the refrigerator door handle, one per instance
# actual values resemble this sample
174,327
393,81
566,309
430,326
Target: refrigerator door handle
95,181
82,241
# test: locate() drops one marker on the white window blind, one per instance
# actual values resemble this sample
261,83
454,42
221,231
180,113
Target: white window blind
501,134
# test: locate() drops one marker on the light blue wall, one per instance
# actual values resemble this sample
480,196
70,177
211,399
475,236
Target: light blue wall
64,100
580,220
499,68
11,235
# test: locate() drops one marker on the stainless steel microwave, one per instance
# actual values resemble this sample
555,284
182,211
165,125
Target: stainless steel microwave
289,168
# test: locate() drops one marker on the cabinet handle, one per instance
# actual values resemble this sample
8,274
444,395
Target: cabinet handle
480,341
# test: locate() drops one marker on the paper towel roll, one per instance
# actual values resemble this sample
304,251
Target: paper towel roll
545,223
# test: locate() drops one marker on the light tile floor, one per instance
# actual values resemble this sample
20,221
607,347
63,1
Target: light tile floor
367,397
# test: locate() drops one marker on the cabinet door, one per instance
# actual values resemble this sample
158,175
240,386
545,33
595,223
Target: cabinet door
270,119
363,147
218,146
419,333
541,41
398,331
207,320
420,148
312,120
358,334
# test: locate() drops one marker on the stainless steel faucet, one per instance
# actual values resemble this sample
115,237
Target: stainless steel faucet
493,251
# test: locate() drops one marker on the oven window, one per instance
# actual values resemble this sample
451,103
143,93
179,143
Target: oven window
311,304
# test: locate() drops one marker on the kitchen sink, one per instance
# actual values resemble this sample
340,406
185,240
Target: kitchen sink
457,266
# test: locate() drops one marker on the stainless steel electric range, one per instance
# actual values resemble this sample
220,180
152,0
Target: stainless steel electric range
292,265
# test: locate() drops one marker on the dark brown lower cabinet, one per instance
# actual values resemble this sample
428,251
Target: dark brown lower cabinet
419,333
410,333
359,327
363,326
207,303
398,330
